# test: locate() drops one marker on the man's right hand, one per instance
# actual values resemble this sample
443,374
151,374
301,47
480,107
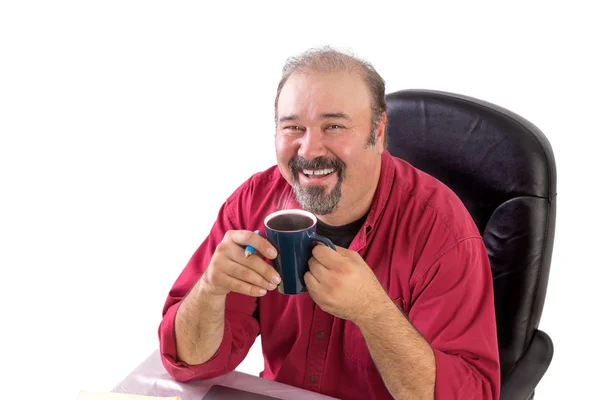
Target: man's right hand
230,271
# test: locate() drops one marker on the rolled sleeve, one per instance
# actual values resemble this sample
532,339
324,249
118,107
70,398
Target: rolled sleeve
181,371
453,308
240,326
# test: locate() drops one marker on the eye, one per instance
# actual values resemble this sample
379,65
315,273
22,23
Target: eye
292,128
334,127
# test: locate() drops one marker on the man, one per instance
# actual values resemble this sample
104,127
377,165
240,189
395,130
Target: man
403,309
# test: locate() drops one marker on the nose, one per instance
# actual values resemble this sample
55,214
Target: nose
311,144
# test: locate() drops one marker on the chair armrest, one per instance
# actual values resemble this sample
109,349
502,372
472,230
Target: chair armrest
528,371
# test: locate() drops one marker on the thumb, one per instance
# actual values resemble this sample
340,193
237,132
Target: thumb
345,252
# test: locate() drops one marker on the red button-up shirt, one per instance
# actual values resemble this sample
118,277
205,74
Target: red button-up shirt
427,253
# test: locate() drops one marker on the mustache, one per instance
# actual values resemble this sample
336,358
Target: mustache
298,163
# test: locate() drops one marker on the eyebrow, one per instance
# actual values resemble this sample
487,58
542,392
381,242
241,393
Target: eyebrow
339,115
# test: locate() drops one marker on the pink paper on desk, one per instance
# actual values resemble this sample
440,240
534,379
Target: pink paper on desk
83,395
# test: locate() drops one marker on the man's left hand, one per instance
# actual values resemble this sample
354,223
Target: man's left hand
341,283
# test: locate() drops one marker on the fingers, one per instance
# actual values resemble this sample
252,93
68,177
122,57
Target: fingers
255,271
227,275
245,238
231,270
317,270
326,256
242,287
256,264
222,277
232,247
347,253
311,282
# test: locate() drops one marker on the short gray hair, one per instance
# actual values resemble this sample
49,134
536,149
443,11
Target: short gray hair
327,60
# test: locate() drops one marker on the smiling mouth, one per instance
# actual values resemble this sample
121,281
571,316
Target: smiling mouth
317,173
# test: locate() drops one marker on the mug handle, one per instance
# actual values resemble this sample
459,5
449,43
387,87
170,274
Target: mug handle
324,240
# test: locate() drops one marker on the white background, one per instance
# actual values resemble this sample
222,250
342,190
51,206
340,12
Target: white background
125,124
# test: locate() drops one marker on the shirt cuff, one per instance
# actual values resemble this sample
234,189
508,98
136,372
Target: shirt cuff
455,378
181,371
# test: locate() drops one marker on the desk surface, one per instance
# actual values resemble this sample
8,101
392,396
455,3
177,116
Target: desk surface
151,379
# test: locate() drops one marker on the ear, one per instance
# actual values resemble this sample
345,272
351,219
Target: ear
380,133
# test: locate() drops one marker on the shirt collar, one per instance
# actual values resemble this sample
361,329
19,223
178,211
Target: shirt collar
380,199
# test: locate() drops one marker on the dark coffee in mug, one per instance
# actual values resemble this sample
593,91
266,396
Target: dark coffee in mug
290,222
293,233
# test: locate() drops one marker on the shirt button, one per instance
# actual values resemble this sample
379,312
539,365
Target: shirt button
320,335
313,378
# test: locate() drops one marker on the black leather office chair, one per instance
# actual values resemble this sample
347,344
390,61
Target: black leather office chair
503,169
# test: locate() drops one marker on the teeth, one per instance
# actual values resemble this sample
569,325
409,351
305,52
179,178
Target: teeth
317,172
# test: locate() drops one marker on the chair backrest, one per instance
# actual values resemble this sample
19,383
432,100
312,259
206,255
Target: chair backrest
503,169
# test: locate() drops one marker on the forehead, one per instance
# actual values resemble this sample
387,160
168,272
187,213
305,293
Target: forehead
311,94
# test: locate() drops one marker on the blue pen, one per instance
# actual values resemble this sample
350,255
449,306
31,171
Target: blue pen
249,249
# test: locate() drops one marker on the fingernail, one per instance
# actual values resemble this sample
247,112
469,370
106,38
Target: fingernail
271,252
262,292
276,279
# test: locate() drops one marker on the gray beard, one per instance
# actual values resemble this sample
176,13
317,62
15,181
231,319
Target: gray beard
315,199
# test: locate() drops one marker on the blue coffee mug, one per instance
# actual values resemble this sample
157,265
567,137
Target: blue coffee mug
293,234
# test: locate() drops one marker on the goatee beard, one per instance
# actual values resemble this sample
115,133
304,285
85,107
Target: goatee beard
314,198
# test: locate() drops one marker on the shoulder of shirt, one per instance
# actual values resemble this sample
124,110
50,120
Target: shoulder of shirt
265,181
435,196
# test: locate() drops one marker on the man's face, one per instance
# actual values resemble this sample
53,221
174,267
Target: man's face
323,127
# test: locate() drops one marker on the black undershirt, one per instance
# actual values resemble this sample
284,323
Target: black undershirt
341,235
